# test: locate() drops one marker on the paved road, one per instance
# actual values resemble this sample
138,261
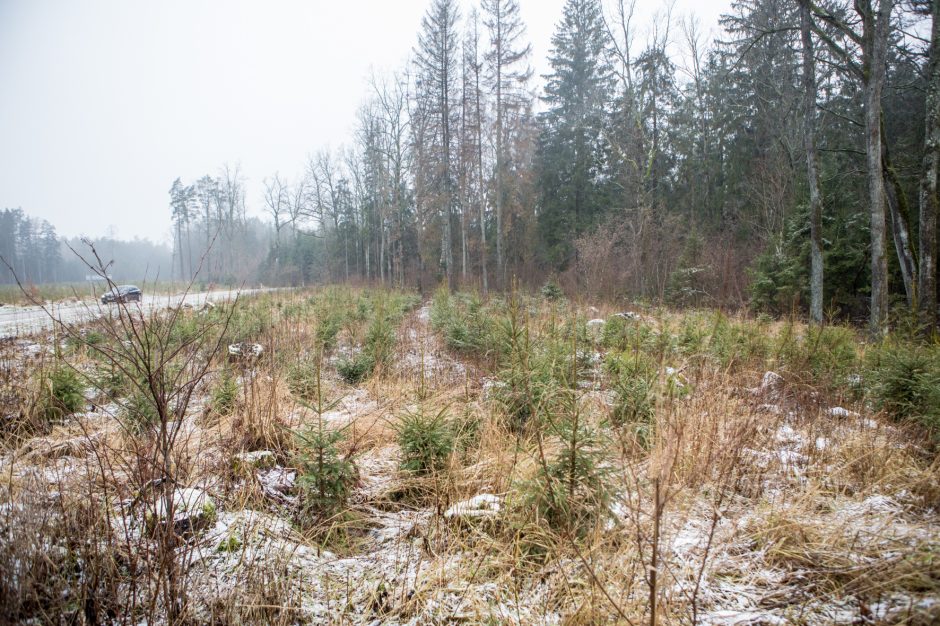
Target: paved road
16,321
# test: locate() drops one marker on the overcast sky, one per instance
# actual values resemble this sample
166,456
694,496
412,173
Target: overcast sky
103,103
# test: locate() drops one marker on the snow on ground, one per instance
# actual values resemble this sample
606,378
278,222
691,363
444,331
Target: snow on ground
404,569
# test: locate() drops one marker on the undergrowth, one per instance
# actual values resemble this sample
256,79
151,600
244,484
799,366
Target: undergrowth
623,465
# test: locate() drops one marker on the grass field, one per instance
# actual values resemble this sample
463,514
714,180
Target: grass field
524,459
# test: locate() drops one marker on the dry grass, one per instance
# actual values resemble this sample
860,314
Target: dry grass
749,504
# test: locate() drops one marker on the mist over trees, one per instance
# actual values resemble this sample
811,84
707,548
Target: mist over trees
213,238
789,162
36,254
29,247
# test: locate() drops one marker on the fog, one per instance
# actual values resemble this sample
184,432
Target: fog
106,102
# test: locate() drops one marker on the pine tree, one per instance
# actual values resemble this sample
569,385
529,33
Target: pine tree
572,160
508,76
176,216
51,257
436,58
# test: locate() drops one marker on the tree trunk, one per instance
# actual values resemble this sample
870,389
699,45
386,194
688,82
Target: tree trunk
929,199
446,237
179,245
463,244
447,255
189,252
500,264
382,254
812,168
500,277
208,261
900,223
875,46
480,190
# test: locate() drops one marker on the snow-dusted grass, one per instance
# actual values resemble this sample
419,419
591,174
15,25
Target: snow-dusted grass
755,497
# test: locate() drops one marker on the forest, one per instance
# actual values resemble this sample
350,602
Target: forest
788,164
32,252
650,339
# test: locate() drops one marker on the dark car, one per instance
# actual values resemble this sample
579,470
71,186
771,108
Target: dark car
122,293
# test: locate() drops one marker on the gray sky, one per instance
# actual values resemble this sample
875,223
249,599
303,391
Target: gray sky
105,102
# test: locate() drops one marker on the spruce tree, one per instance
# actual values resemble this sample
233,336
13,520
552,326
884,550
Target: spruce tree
438,71
573,151
508,74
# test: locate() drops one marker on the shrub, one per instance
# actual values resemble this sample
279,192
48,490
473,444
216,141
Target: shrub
139,411
531,382
67,389
380,337
328,327
303,379
635,402
537,373
379,340
247,322
225,394
110,381
780,275
734,343
905,383
295,310
89,339
363,306
569,492
325,477
355,369
551,290
442,308
63,395
185,328
425,440
463,322
621,333
403,303
693,335
824,351
684,285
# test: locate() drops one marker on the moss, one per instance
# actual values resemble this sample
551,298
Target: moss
209,512
230,544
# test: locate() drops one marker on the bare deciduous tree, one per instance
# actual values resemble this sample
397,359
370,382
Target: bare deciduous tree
277,203
508,77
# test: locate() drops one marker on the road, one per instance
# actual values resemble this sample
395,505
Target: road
17,321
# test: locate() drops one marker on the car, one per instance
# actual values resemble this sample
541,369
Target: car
122,293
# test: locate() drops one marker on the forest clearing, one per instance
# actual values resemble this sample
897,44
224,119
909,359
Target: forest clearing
380,458
532,312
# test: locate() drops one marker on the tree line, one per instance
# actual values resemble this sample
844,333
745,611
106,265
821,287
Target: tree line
791,161
31,252
214,240
29,247
788,163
